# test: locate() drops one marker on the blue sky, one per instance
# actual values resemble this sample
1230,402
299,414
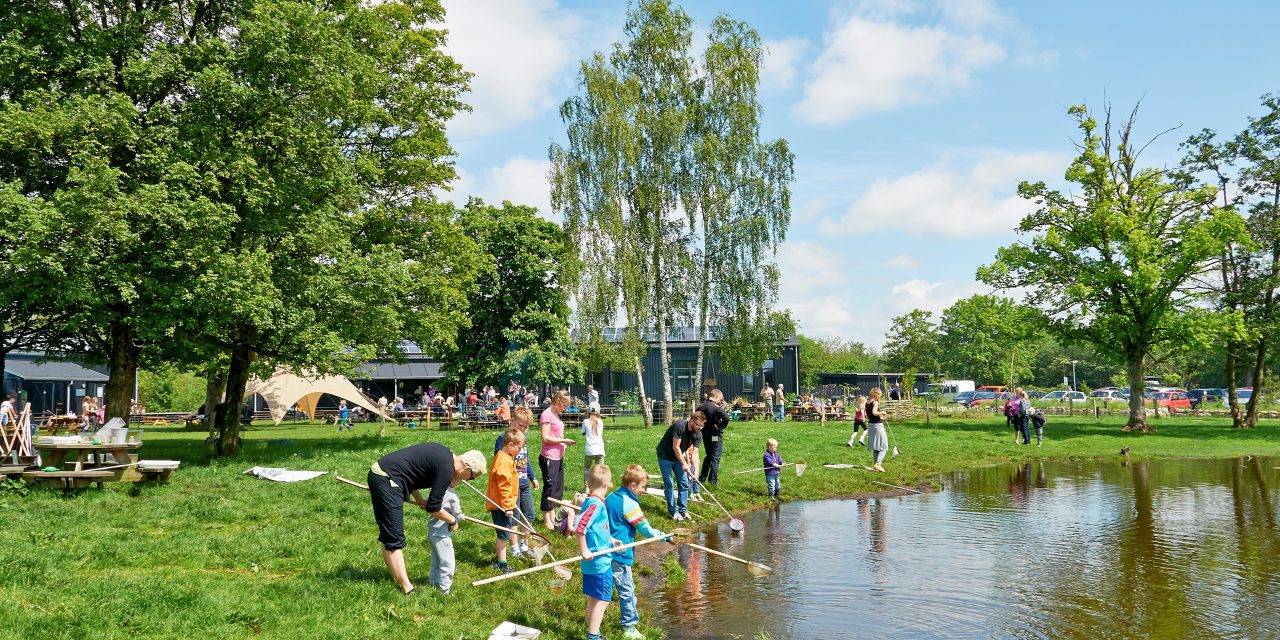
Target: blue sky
912,121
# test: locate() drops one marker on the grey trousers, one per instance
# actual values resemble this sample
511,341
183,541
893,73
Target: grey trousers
442,563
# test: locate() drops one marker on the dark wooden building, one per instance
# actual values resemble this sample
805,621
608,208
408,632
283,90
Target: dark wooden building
833,384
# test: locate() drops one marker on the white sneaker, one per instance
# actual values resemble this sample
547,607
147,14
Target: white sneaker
514,551
524,548
632,634
678,517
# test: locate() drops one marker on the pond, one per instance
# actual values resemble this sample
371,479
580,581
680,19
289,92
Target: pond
1165,549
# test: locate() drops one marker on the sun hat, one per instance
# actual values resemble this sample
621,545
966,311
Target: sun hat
474,460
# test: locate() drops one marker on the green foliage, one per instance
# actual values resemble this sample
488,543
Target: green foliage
519,312
833,355
168,389
1113,261
988,338
912,343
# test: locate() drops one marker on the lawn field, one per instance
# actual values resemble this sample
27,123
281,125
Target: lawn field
218,554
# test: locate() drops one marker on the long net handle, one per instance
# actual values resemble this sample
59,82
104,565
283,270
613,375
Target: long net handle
717,553
525,572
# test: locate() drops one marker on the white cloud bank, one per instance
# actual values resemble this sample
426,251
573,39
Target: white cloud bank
950,201
520,53
521,180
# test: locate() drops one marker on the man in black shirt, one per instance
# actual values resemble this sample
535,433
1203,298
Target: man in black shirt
400,475
675,465
712,437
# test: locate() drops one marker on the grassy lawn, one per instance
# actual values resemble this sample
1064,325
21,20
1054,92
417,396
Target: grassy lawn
218,554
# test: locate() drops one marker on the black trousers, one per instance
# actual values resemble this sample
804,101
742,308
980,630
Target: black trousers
710,471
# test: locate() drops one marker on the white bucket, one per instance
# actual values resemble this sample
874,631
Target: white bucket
119,435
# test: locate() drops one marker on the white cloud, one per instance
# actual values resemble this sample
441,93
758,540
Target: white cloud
902,261
520,52
973,14
521,180
943,200
920,294
782,59
871,63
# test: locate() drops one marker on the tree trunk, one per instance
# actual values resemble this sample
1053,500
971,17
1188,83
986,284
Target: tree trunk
122,363
1259,382
1233,398
644,400
703,294
215,385
1137,404
237,380
668,404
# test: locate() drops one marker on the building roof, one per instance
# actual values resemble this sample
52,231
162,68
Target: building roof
405,371
50,370
675,334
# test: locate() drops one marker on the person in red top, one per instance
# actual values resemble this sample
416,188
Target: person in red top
551,460
504,489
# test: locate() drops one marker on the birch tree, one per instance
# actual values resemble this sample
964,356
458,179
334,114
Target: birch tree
621,177
741,197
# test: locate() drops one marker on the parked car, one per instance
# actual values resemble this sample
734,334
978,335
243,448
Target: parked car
987,398
1172,400
1035,394
1242,396
963,397
1064,396
1202,396
1106,395
981,398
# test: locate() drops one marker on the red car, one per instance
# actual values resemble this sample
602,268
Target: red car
1172,400
986,401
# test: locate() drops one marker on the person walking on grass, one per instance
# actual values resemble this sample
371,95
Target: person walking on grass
772,469
344,416
399,477
593,439
1023,415
713,437
878,443
674,462
780,399
551,460
859,421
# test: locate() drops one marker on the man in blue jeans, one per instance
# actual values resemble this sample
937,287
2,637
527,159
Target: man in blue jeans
675,465
780,401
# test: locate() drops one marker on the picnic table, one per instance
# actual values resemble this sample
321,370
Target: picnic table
54,424
88,458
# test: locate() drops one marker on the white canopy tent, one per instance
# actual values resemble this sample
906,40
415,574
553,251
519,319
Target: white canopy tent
286,389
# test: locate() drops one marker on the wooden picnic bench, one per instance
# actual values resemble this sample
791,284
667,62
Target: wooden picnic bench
69,479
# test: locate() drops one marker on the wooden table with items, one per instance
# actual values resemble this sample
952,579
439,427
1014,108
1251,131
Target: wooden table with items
85,471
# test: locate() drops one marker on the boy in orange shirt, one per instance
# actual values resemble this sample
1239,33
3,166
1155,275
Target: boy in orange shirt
504,490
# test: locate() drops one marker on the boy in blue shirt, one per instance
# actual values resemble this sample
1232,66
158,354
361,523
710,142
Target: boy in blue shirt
625,519
594,542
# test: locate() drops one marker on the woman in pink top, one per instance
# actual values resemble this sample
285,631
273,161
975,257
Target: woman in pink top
551,460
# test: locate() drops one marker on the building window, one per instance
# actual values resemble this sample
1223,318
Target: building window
683,376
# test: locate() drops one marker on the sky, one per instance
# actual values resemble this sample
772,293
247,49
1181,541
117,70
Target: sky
912,121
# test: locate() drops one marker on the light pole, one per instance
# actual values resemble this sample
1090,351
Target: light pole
1073,374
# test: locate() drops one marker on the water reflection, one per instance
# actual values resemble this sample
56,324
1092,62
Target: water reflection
1176,549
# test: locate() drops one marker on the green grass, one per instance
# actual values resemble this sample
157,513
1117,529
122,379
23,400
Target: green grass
218,554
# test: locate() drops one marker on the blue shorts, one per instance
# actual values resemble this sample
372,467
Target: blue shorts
598,586
500,518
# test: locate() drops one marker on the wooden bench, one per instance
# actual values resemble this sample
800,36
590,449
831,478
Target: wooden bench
155,475
13,470
69,479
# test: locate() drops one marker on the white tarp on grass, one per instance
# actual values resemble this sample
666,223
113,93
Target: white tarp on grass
279,474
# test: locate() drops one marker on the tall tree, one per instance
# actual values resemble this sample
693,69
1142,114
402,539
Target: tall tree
1111,264
833,355
519,311
742,200
911,345
255,178
620,180
988,338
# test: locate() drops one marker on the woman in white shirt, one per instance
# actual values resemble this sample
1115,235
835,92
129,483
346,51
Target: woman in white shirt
593,435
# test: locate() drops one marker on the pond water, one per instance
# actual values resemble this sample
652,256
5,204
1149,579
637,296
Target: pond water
1166,549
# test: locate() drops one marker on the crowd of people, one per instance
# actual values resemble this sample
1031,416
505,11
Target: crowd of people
688,457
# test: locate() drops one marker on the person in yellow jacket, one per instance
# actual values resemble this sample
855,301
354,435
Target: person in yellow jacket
504,491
